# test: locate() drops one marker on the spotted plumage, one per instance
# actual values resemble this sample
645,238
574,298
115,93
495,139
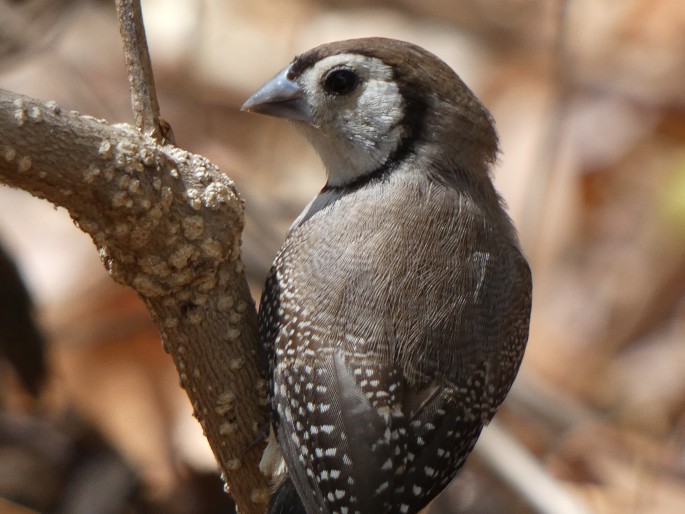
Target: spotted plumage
396,313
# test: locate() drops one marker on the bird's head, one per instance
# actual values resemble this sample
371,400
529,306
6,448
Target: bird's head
373,103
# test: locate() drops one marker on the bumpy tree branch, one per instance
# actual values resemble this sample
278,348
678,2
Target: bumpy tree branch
168,224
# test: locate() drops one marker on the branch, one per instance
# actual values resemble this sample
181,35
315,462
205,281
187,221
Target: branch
518,468
141,81
168,224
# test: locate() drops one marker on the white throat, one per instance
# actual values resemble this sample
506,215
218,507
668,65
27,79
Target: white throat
355,134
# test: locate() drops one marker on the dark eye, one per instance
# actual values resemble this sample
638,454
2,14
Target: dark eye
341,81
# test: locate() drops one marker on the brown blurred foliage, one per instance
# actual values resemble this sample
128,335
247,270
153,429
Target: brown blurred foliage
590,105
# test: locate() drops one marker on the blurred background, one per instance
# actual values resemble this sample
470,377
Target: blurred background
589,99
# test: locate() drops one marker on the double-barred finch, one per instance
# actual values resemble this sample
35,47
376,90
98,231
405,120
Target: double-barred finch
396,314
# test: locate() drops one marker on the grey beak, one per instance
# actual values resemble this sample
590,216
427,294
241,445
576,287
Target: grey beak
282,98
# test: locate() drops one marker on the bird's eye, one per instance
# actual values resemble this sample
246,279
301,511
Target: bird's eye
341,81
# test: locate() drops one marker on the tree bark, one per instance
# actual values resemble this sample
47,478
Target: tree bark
168,224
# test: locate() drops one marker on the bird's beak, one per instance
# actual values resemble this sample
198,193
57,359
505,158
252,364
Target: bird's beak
280,97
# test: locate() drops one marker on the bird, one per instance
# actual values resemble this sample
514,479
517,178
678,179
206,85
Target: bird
395,316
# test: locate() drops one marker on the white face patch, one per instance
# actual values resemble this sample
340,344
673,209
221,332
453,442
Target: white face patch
357,132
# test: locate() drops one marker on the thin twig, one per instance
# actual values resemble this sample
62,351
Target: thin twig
544,174
140,78
517,467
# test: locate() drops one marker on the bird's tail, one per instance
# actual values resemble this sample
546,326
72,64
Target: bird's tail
286,500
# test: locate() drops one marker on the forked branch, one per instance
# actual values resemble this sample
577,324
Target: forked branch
167,223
